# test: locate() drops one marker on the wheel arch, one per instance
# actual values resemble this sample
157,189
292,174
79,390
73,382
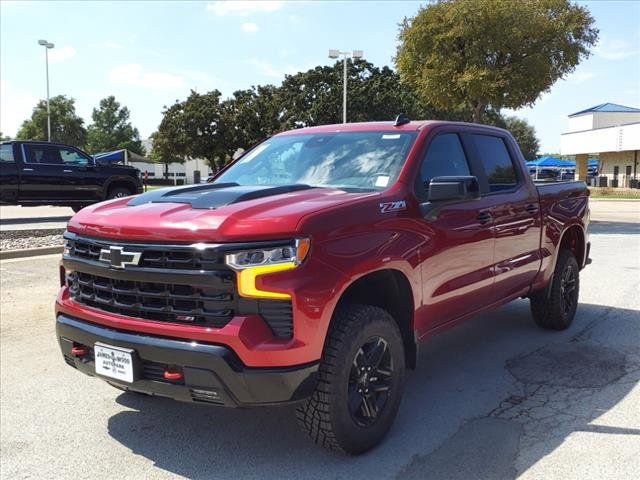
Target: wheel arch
389,289
573,239
116,182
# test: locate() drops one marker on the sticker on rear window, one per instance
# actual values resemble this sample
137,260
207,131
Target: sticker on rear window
391,136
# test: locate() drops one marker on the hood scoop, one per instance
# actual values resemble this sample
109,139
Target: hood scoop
213,195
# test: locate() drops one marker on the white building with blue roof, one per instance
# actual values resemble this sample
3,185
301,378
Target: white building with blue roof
611,131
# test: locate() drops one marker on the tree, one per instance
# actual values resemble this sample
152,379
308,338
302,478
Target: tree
162,151
112,130
481,53
4,137
66,126
192,128
314,97
525,135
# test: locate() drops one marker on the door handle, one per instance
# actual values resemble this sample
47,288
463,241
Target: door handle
27,169
67,171
484,217
532,208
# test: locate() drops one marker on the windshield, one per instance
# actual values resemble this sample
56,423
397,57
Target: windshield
346,160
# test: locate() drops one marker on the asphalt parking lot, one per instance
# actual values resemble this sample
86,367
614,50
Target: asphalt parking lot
494,398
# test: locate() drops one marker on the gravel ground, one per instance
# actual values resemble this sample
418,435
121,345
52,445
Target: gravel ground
17,239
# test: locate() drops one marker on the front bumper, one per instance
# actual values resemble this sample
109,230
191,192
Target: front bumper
211,373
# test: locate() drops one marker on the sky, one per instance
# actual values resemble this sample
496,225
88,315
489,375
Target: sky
150,54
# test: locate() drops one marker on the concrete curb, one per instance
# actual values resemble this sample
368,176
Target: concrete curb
29,252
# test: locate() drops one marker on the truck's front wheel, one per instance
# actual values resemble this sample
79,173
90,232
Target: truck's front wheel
360,381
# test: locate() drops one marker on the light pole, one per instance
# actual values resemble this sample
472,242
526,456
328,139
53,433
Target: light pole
47,46
345,55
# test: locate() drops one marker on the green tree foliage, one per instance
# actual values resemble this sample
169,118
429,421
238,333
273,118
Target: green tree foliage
193,128
499,53
66,126
4,137
111,129
525,135
314,97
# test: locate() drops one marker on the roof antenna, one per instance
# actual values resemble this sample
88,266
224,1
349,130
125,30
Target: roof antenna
401,119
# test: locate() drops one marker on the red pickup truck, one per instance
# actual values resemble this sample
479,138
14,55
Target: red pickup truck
313,266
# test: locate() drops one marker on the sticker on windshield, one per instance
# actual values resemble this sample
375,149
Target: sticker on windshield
391,136
398,205
382,181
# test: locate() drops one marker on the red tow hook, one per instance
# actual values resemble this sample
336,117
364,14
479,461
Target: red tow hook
79,351
172,375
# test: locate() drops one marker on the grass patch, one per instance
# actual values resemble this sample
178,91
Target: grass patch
608,193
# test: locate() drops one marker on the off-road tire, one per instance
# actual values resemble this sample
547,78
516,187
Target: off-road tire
550,308
118,192
326,416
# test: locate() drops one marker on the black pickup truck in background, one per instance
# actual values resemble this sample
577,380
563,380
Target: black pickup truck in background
42,173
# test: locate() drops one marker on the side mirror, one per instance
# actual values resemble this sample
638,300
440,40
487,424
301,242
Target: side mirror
453,188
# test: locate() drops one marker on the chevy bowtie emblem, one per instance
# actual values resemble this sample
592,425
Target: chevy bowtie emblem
118,258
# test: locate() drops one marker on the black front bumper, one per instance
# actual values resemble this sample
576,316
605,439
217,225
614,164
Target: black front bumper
211,373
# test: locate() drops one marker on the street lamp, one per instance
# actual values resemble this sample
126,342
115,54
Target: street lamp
345,55
47,46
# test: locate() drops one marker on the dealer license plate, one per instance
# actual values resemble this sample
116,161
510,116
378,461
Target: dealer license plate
114,362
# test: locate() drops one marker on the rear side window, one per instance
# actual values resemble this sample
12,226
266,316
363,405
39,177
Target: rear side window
496,161
6,154
444,157
44,154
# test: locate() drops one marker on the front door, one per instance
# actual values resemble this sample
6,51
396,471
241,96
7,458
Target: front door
458,248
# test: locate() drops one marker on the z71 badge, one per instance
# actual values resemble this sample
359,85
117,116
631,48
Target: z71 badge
386,207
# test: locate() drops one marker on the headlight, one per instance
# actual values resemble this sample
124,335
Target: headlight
249,264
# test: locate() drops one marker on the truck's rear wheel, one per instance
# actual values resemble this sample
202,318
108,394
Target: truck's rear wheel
119,192
360,381
556,308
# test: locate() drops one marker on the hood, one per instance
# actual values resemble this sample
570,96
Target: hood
209,213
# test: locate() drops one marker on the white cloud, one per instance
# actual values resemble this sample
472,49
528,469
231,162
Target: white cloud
249,27
59,54
270,70
580,77
135,74
616,49
244,7
112,45
15,106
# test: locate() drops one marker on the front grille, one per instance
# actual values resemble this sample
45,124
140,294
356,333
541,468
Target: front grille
183,284
153,301
161,258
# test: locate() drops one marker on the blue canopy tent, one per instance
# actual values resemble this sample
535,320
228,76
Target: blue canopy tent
119,156
552,163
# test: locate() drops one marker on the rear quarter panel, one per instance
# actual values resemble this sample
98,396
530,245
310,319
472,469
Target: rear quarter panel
563,205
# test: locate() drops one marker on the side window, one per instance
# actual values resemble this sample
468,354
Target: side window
496,161
43,154
72,157
444,157
6,154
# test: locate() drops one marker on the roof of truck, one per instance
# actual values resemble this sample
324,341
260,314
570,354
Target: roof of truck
378,126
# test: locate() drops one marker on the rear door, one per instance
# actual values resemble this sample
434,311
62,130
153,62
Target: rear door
514,208
457,253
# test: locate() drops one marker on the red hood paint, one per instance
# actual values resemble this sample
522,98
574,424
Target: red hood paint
267,218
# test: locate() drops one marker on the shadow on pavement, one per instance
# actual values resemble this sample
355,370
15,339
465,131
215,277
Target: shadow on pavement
614,228
493,391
